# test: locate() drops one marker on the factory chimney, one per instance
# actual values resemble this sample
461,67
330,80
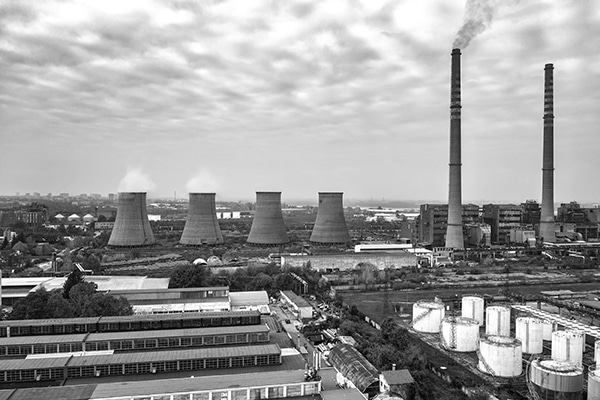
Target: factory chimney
132,227
330,226
547,216
268,228
201,226
454,230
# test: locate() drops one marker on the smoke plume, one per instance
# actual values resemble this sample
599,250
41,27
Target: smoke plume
202,182
478,17
135,180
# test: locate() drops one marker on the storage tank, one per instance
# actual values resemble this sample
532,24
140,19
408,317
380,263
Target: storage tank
330,225
593,387
268,228
529,331
500,356
547,329
427,316
132,227
497,321
472,307
567,345
556,379
460,334
201,226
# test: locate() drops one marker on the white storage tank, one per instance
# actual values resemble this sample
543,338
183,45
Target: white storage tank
547,329
556,379
500,356
427,316
497,321
567,345
529,331
593,387
460,334
472,307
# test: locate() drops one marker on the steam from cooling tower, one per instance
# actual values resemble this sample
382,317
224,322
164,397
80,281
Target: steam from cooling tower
203,182
135,180
478,17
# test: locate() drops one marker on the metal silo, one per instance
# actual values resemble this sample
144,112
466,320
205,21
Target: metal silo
460,334
132,227
201,226
472,307
268,228
330,225
427,316
568,346
497,320
529,331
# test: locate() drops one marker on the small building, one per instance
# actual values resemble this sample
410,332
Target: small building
397,383
354,369
250,301
88,218
300,306
74,218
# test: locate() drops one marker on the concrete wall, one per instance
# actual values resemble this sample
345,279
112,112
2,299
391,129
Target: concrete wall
351,261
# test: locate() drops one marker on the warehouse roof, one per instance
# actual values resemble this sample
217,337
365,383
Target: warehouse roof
354,366
297,300
256,298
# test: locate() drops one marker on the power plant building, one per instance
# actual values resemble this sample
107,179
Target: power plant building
330,225
433,220
501,218
132,227
268,228
201,226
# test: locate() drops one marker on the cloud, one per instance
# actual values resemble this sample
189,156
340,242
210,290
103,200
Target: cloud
203,182
135,180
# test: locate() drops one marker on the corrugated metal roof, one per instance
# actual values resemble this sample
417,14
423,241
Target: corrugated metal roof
95,337
33,363
353,366
299,301
42,339
77,392
44,322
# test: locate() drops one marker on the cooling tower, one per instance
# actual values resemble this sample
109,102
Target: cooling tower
201,226
454,232
132,228
268,228
547,215
330,226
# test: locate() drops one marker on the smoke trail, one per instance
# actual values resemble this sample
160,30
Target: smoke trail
478,16
203,181
136,181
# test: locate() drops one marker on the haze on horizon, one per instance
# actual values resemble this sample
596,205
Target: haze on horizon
295,96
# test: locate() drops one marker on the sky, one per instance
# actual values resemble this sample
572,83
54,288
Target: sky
297,96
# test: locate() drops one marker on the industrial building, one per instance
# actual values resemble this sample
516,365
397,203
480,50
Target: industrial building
300,307
354,369
501,218
433,221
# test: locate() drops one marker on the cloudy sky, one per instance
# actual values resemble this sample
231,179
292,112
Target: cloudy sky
294,95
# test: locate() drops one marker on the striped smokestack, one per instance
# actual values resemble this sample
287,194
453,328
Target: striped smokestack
547,215
454,230
330,226
268,228
132,227
201,226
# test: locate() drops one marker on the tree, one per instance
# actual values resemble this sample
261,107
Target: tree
190,276
73,279
34,306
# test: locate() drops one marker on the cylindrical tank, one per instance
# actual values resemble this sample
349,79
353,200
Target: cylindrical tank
132,227
330,225
460,334
547,329
472,307
567,345
597,351
201,226
497,321
556,379
593,387
427,316
529,331
268,228
500,356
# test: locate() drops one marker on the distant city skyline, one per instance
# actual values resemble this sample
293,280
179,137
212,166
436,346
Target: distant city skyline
295,96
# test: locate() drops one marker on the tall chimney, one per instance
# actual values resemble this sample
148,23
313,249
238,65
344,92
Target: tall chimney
454,230
547,215
201,226
330,225
132,227
268,228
